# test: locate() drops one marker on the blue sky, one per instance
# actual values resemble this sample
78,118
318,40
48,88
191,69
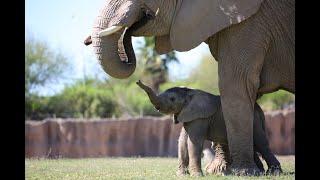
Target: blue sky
65,24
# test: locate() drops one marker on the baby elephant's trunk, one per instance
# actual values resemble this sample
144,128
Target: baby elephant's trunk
152,96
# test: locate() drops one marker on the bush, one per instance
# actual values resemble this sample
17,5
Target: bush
36,107
84,101
91,99
132,100
276,100
77,101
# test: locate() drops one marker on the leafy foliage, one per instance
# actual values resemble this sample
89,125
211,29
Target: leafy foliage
42,65
277,100
132,101
156,66
36,107
81,100
91,99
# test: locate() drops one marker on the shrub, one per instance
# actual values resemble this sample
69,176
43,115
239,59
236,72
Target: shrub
84,101
132,100
276,100
36,107
76,101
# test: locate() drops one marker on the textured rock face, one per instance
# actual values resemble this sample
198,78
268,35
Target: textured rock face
280,127
145,136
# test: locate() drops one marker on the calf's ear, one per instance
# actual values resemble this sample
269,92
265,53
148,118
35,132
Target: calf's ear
198,105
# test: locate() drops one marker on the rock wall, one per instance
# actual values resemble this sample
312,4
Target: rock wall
145,136
280,127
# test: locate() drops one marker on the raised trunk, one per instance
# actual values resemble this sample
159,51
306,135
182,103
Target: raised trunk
155,100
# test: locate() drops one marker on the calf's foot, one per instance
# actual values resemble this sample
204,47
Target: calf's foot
274,170
217,167
196,174
182,172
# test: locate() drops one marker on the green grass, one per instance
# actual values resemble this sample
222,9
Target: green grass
126,168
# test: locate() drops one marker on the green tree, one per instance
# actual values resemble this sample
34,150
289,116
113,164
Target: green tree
155,72
42,65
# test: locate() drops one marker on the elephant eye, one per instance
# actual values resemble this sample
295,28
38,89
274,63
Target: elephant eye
148,13
172,99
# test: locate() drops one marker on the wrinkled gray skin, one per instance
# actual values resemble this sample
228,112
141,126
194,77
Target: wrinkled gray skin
252,40
202,118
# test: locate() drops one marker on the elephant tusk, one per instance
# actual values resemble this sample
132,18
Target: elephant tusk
156,14
109,30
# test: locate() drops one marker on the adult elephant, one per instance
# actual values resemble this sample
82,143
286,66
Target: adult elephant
253,41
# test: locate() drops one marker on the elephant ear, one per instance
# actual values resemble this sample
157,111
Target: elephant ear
199,105
196,20
163,45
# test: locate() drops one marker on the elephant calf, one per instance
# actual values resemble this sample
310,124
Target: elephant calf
202,118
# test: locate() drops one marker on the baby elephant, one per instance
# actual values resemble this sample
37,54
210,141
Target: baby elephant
202,118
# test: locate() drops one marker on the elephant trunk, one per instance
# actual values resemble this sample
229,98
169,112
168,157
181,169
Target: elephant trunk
155,100
115,53
111,38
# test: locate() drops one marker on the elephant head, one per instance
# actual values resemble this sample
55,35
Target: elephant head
176,24
184,103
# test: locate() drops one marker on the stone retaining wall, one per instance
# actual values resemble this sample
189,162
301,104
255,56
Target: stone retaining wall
145,136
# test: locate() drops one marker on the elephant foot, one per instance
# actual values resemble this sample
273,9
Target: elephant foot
182,172
249,170
274,170
216,167
196,174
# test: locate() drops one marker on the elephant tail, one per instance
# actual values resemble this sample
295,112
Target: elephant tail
260,116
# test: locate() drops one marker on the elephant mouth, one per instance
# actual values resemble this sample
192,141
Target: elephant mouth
175,118
125,49
165,110
157,108
121,47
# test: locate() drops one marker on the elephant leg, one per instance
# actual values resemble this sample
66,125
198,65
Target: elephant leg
237,110
258,161
196,130
261,145
194,151
238,83
240,51
183,156
221,160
